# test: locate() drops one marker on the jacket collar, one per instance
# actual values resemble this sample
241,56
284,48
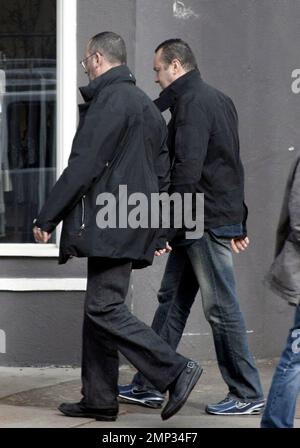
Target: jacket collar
115,75
170,94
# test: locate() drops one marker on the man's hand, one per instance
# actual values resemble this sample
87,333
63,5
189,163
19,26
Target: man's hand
40,235
239,244
166,250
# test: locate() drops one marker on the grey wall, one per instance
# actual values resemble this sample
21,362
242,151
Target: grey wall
31,267
41,328
248,49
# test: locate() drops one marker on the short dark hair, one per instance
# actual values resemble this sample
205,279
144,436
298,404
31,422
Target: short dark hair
177,49
110,45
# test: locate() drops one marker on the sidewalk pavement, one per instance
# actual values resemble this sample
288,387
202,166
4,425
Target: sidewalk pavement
29,398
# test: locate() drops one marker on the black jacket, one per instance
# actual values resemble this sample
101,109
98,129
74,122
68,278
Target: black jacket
204,148
120,140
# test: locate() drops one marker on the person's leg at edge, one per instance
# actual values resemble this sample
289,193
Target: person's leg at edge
284,391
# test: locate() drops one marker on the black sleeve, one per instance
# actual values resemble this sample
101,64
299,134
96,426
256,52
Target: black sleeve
244,223
162,169
162,164
93,145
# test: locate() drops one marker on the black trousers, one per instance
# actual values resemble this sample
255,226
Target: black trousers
108,327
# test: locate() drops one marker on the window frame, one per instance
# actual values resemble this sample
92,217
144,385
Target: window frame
66,117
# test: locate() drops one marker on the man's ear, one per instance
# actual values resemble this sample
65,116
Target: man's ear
99,58
176,65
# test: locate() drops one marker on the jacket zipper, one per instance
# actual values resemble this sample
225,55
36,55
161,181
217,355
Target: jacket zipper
82,227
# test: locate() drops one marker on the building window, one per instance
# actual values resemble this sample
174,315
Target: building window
27,113
38,42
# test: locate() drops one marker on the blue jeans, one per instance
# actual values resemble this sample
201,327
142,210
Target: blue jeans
207,263
281,403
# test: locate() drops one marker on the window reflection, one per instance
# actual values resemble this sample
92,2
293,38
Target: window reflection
27,113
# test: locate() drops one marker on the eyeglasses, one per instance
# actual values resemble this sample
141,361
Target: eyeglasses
84,61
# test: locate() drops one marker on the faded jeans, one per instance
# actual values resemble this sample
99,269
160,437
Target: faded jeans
281,403
207,263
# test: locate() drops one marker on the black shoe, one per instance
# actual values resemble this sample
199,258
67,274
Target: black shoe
79,410
181,388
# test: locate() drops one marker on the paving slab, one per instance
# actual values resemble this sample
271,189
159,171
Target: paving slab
29,398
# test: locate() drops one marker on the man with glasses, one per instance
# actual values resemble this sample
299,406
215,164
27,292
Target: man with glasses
120,140
85,60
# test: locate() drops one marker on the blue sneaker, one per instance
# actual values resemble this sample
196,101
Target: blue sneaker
234,406
141,396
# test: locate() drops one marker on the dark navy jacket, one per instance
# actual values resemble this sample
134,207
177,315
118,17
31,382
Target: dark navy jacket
203,142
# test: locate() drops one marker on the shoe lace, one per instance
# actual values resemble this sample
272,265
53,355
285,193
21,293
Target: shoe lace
225,400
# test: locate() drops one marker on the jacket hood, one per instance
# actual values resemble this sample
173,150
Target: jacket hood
115,75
